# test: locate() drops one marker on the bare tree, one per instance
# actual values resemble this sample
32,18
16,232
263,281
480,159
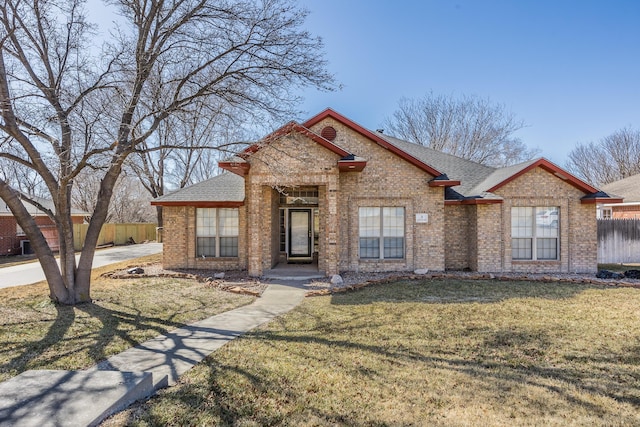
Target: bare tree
469,127
66,106
190,145
130,201
614,157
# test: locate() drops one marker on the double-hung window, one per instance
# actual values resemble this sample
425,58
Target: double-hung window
381,232
535,233
217,232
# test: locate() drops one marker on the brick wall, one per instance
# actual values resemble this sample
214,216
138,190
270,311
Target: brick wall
387,180
625,212
10,241
578,226
179,237
477,237
457,226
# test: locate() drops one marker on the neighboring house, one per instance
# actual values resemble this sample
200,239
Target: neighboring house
627,188
331,192
13,240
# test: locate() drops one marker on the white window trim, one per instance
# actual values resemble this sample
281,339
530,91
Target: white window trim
534,238
217,234
381,236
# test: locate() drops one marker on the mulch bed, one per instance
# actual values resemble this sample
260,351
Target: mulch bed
241,283
234,281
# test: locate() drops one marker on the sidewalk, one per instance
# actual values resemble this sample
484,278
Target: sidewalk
31,272
81,398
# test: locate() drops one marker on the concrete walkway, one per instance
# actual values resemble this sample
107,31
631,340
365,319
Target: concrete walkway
82,398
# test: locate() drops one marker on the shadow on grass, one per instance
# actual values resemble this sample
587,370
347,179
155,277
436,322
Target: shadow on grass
65,317
455,291
494,375
67,336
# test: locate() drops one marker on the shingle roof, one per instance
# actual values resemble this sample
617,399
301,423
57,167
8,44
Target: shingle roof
46,203
226,187
629,188
458,169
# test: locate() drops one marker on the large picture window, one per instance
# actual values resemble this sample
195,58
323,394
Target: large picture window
381,232
217,232
534,233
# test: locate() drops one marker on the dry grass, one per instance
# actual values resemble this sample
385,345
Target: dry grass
37,334
450,353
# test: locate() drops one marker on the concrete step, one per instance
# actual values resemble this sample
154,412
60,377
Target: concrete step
61,398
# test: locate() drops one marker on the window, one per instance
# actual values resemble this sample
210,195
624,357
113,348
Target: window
607,213
534,233
216,232
381,233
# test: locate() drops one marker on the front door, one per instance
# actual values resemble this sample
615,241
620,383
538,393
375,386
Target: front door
300,233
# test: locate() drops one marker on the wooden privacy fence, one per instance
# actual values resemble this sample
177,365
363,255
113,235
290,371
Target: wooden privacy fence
117,234
618,241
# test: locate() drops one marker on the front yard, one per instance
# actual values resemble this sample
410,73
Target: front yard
37,334
440,352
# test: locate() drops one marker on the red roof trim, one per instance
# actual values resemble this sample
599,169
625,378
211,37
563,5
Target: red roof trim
295,127
473,202
443,183
606,200
199,204
351,165
239,168
364,132
556,170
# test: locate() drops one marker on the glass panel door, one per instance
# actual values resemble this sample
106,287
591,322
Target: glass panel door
299,232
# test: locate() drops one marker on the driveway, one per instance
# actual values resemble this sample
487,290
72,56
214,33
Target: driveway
25,274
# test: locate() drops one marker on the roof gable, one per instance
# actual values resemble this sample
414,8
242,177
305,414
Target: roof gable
513,172
373,136
295,127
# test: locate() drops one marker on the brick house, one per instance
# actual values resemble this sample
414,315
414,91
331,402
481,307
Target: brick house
627,188
331,192
13,241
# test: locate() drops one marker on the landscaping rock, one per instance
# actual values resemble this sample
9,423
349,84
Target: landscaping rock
632,274
421,271
336,279
135,270
606,274
218,275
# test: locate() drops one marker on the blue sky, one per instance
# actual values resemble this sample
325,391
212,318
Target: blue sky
569,69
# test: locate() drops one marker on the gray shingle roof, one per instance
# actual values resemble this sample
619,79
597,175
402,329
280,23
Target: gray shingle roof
226,187
629,188
469,173
48,204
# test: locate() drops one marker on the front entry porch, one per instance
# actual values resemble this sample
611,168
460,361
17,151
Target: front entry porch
292,271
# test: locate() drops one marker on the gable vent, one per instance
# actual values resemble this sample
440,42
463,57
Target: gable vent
328,133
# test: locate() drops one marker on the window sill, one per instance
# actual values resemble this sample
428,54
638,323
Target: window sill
384,260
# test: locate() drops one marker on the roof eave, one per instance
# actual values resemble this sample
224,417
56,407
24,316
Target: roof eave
473,201
199,204
443,183
351,165
239,168
600,200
